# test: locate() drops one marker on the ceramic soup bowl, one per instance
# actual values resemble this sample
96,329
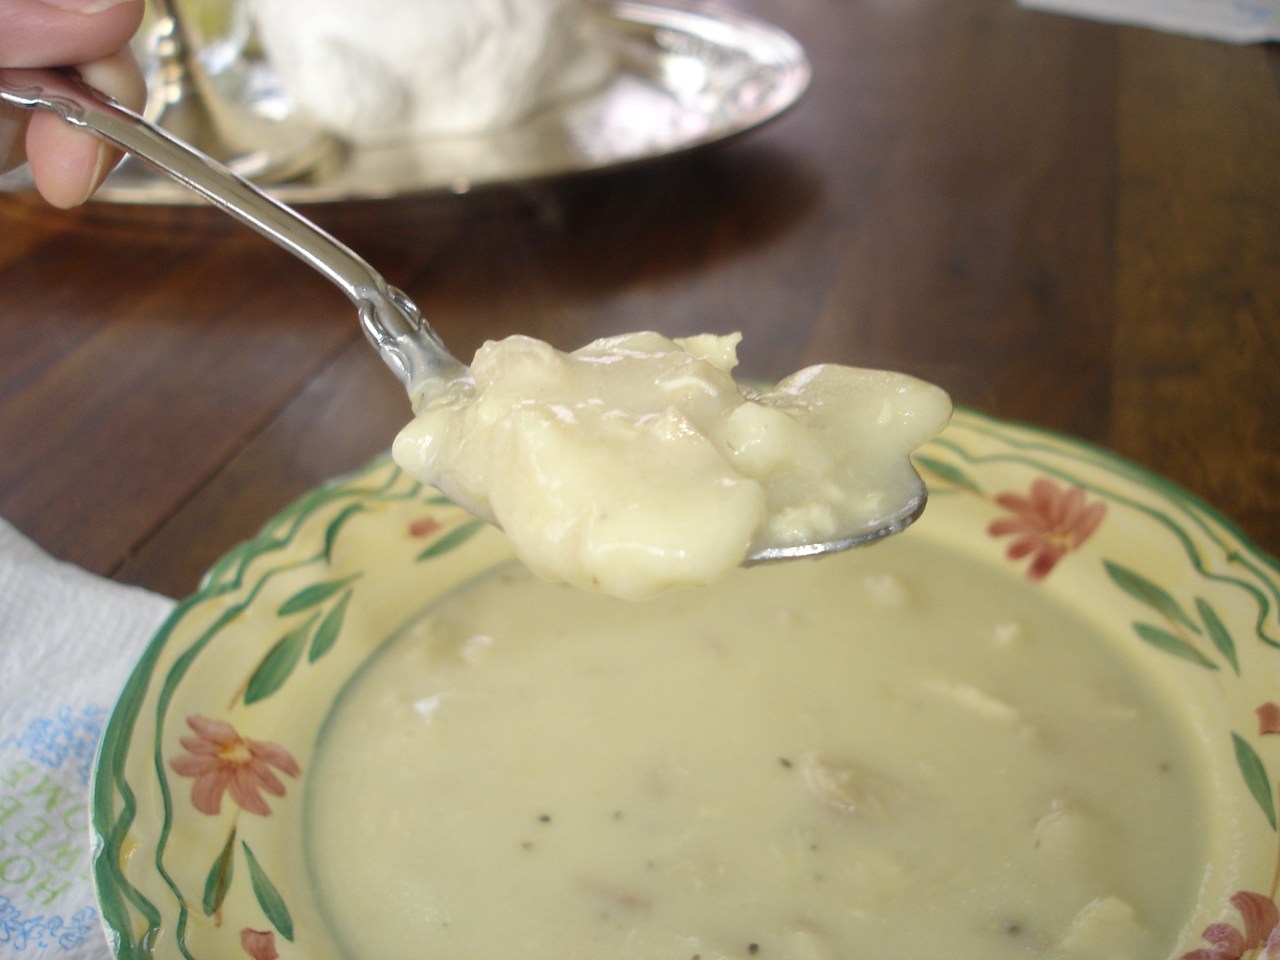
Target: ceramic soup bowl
198,796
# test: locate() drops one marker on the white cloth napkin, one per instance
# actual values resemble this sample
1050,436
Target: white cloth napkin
68,640
1235,21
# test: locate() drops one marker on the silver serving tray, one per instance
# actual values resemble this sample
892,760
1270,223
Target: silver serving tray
686,77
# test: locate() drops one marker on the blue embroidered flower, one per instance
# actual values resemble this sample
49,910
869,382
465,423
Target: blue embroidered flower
40,933
64,737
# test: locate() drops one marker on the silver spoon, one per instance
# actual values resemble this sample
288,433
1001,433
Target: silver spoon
406,343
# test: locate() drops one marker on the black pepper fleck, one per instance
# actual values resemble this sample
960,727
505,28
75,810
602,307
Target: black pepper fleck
785,762
753,948
545,818
1013,929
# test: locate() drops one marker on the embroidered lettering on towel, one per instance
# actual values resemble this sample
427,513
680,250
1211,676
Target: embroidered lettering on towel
45,888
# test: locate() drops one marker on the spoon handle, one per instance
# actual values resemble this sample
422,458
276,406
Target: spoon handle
406,343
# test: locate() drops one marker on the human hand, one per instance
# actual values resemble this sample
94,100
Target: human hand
68,164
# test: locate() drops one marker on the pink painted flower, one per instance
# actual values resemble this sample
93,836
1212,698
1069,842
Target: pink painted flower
1261,930
259,944
220,759
1047,524
424,527
1268,718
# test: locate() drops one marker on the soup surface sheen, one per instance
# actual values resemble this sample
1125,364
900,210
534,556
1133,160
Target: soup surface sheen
891,752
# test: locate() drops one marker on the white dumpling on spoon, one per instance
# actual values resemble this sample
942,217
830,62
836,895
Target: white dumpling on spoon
637,463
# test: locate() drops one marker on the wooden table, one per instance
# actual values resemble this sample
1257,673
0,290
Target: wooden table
1062,222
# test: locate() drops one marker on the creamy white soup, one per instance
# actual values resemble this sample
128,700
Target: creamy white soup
637,463
888,753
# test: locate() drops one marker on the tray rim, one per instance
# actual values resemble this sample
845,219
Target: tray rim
792,68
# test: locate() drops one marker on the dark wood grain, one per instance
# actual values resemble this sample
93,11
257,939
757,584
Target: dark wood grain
1197,345
1062,222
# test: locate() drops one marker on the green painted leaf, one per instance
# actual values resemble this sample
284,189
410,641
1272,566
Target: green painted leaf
1255,777
1170,643
452,539
331,531
440,502
327,632
1218,633
1153,595
312,595
269,898
279,662
948,472
215,887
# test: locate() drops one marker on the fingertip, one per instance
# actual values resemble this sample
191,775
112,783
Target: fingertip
67,164
119,77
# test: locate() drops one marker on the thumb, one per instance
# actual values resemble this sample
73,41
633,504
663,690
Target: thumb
68,164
